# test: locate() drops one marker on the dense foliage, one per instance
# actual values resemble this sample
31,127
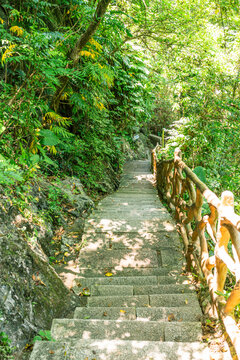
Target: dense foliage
105,101
198,58
181,54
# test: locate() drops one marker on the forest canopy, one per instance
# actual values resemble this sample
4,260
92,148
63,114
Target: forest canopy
146,66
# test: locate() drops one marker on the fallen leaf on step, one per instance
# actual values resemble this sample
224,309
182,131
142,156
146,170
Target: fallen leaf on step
171,317
105,313
186,301
29,347
123,311
108,274
51,352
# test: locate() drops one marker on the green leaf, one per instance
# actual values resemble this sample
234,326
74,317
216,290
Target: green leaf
200,172
49,138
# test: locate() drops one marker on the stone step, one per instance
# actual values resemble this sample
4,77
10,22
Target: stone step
136,215
113,290
129,258
130,280
126,329
116,290
121,258
168,314
154,300
136,187
118,301
173,300
105,313
163,289
126,212
119,350
132,196
130,226
115,241
83,273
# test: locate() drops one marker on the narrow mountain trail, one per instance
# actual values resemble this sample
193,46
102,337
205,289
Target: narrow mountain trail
138,305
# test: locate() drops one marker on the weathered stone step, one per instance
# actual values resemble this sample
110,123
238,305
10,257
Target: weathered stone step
130,226
131,202
126,207
119,350
133,240
168,314
163,289
136,215
115,290
130,280
171,314
154,271
155,300
137,165
132,190
113,212
119,258
129,258
132,196
116,301
126,329
146,188
173,300
105,313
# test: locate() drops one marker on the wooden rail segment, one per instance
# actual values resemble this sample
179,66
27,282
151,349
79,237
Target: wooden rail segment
185,194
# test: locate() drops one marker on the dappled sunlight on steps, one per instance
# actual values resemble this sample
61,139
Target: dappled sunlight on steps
139,306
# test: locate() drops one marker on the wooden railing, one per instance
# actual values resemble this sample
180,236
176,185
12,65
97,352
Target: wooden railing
185,193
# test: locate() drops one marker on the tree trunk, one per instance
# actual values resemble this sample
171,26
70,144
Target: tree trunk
75,53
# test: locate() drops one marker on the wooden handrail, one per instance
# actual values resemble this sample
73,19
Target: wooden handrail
185,193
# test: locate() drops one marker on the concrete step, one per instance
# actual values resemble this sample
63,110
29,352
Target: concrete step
119,350
167,314
126,329
105,313
154,300
156,240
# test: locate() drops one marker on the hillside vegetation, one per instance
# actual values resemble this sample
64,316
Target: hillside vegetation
79,79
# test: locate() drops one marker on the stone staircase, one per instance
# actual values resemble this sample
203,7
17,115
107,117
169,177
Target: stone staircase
137,304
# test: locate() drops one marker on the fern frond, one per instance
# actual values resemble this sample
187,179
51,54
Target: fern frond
88,54
96,44
17,30
61,132
64,96
52,117
8,53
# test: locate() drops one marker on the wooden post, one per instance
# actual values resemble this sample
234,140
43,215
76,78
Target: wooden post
223,237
